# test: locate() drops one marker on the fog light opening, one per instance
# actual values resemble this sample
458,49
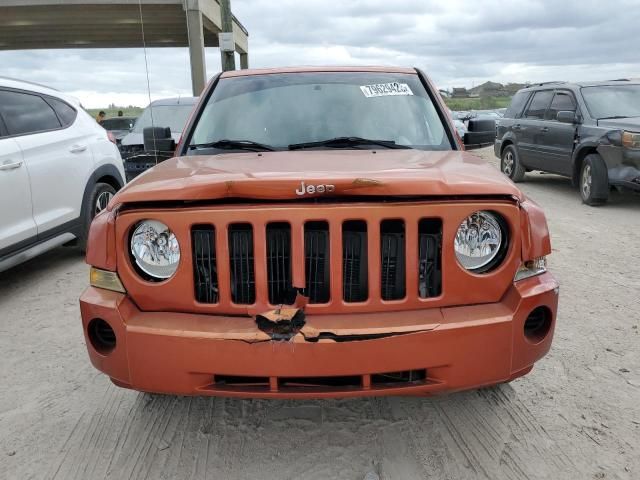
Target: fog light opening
537,324
101,336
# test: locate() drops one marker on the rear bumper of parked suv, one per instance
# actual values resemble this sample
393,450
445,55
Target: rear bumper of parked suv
438,350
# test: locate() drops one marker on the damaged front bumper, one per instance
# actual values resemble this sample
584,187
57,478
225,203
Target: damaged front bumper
393,353
623,166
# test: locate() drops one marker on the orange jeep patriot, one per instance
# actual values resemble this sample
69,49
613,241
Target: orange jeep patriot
320,233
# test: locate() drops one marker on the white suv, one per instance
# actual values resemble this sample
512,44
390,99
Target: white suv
58,168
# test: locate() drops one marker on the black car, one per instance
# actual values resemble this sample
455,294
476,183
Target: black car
119,126
589,132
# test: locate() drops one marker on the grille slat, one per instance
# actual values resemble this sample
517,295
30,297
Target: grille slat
204,264
316,248
243,289
279,263
392,253
354,261
429,258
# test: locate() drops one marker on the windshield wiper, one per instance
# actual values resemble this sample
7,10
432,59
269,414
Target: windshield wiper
234,145
346,142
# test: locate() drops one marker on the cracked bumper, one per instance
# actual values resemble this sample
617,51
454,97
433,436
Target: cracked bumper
623,166
460,347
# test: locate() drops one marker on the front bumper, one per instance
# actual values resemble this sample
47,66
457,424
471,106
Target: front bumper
623,166
459,347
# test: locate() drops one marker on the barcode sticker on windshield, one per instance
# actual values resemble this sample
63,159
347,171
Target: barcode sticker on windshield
386,89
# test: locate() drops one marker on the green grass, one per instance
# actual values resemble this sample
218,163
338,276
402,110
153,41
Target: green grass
481,103
113,112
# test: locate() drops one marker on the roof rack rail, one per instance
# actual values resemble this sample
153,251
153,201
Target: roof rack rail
548,83
619,80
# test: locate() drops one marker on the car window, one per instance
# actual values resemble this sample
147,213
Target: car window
66,113
173,116
562,101
283,109
26,113
118,124
539,104
517,104
608,101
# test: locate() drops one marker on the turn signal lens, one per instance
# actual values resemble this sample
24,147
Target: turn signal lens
631,139
531,268
106,280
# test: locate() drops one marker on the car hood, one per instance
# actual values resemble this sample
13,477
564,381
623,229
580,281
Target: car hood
631,123
280,175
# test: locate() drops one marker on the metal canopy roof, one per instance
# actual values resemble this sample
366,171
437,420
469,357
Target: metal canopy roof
39,24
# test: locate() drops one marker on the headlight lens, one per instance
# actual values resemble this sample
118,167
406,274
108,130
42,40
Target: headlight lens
479,240
155,249
631,139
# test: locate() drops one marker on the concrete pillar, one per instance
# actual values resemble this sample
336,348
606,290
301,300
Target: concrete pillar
244,60
196,51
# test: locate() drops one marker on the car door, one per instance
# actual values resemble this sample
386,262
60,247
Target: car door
532,129
17,226
56,154
559,138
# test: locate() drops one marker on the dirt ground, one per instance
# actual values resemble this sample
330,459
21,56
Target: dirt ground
575,416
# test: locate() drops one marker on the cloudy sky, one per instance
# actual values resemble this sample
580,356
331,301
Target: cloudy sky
457,42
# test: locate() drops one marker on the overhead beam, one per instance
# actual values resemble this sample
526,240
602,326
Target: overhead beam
106,24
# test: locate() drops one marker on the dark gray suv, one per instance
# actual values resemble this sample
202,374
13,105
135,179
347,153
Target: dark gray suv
589,132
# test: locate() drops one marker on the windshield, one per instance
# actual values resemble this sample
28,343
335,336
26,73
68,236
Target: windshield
279,110
118,123
173,116
613,101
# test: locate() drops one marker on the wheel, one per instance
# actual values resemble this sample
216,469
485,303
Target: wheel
97,201
594,180
510,164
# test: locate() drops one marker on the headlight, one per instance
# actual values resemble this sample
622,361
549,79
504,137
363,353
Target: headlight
480,240
631,139
155,249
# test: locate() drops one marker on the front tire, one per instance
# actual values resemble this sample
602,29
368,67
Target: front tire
594,180
97,201
510,164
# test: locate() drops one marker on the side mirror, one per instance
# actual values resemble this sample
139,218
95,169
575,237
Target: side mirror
480,133
567,116
158,139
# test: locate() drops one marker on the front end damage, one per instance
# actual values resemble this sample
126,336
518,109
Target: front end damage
416,353
620,151
623,165
479,330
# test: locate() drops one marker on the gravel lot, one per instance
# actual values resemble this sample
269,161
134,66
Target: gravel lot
576,416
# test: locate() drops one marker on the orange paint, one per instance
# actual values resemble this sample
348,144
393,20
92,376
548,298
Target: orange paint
470,335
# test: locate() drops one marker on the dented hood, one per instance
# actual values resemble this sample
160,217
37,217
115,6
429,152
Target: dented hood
280,175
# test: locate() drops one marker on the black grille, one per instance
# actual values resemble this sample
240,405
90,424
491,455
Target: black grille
243,287
429,258
392,259
316,256
354,261
279,263
205,271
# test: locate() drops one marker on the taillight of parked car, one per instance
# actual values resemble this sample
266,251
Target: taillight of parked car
111,137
